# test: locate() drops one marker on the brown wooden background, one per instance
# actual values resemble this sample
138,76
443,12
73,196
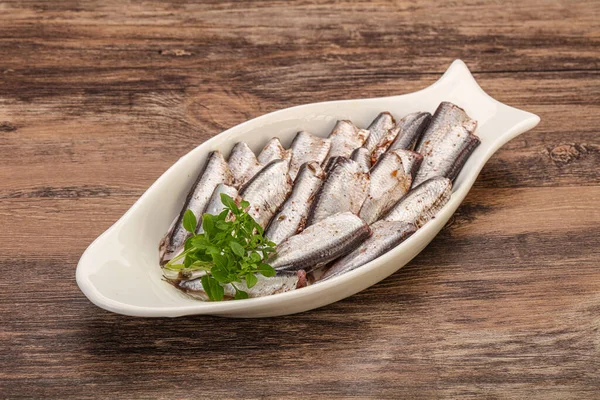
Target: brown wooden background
97,99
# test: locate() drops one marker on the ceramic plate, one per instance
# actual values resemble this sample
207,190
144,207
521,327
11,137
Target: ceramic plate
119,271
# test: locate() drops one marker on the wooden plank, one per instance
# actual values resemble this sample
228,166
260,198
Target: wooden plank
146,133
395,37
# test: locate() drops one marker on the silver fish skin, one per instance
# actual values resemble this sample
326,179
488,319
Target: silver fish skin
363,157
345,189
273,150
267,190
345,137
407,131
378,129
306,148
243,164
422,203
386,235
448,156
320,243
331,163
291,217
215,205
282,282
446,118
215,171
389,183
447,143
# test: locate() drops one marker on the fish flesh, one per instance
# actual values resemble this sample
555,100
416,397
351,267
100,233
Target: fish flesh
320,243
273,150
291,217
306,148
411,161
345,137
386,235
389,183
378,129
214,172
267,190
215,205
243,164
282,282
447,143
423,202
404,135
345,189
363,157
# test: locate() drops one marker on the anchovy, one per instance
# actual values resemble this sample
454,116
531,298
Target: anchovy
423,202
378,129
306,148
345,137
215,205
345,189
215,171
446,117
386,236
282,282
291,217
320,243
404,135
363,157
243,164
447,143
267,190
273,150
389,183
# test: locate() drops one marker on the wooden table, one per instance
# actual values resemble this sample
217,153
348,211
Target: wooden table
97,99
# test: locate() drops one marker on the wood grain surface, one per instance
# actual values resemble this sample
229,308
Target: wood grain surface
98,98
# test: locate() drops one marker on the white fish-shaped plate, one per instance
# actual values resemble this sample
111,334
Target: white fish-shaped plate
119,271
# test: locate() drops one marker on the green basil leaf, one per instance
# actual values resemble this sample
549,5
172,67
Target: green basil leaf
219,260
266,270
255,257
212,288
241,295
251,280
220,274
203,265
259,229
223,215
237,249
228,201
222,225
189,221
208,224
212,250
